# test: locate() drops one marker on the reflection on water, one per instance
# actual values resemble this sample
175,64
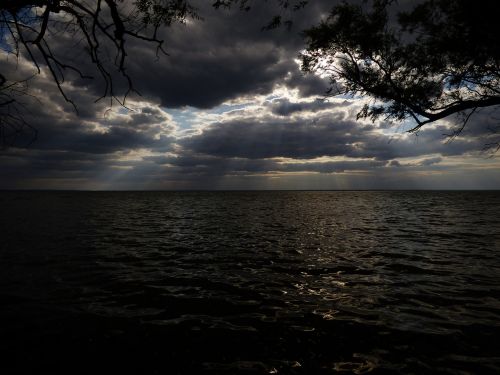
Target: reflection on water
250,282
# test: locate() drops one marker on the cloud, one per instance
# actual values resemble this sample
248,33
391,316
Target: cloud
274,124
430,161
272,137
284,107
220,57
330,134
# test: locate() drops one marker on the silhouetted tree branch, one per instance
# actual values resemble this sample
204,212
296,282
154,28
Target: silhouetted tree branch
438,59
30,29
12,120
29,26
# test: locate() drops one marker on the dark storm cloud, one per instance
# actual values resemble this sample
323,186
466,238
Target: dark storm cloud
71,135
205,80
394,163
218,58
307,84
430,161
271,137
310,137
284,107
92,127
221,57
228,55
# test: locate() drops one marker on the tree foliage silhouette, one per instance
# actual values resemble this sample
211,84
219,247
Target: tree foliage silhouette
440,58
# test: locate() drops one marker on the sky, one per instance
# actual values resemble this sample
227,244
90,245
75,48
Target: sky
230,108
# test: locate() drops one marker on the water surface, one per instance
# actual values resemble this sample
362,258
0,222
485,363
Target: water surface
250,282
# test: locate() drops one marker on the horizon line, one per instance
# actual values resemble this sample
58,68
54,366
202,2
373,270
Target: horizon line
244,190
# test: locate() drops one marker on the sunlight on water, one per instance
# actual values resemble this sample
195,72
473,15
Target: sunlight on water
251,282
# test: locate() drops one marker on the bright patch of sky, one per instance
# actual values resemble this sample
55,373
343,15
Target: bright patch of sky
189,118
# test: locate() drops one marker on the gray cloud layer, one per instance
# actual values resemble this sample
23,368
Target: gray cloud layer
289,136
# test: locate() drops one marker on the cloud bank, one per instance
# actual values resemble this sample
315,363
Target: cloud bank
229,108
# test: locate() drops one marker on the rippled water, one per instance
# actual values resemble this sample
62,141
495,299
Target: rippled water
250,282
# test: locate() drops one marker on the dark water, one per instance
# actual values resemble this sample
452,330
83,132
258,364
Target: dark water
250,282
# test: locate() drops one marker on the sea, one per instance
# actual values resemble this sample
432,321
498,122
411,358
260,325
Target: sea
250,282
